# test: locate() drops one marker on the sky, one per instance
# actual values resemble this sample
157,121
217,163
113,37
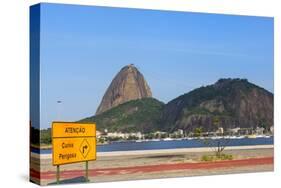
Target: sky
82,48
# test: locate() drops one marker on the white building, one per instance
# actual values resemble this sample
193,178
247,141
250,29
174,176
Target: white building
272,129
220,130
116,134
259,130
124,135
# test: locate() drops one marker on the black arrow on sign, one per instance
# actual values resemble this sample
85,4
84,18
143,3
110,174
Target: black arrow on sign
84,147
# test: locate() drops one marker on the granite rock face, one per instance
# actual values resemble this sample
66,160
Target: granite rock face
128,84
233,102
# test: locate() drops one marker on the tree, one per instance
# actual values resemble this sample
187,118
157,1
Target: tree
217,145
263,124
198,132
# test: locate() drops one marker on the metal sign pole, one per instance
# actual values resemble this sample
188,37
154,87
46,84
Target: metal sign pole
58,174
87,175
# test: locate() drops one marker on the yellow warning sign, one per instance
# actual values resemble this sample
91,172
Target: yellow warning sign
73,142
70,150
69,129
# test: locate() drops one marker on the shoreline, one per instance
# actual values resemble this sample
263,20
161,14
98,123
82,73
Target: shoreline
162,151
49,146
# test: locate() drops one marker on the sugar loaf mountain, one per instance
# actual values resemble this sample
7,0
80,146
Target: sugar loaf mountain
128,106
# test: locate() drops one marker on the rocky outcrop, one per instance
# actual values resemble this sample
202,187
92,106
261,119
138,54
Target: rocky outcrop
231,102
128,84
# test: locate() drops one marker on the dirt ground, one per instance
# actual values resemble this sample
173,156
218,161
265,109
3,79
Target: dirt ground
135,161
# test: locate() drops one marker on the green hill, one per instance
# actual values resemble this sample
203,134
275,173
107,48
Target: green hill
133,116
231,102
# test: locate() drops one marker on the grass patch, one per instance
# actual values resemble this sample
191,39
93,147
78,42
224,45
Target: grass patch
220,157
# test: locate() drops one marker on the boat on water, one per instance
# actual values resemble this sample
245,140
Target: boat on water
260,136
214,138
240,137
252,136
167,139
218,137
154,140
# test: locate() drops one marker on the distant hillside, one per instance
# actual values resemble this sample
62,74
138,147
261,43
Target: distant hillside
133,116
229,102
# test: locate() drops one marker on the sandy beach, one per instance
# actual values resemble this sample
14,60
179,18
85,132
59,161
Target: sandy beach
125,165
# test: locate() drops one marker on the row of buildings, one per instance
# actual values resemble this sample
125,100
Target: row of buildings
182,134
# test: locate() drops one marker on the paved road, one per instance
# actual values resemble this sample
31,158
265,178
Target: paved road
154,168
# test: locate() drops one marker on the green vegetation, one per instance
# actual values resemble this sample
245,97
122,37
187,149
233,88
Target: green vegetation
45,136
216,157
198,132
221,89
40,137
140,115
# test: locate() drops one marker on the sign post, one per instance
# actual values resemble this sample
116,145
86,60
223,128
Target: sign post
73,142
87,172
58,174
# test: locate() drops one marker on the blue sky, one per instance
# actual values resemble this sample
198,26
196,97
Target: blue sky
84,47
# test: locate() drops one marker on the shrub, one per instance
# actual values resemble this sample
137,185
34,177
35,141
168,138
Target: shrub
220,157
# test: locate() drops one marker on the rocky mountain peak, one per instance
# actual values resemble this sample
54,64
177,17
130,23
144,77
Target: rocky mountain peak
128,84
